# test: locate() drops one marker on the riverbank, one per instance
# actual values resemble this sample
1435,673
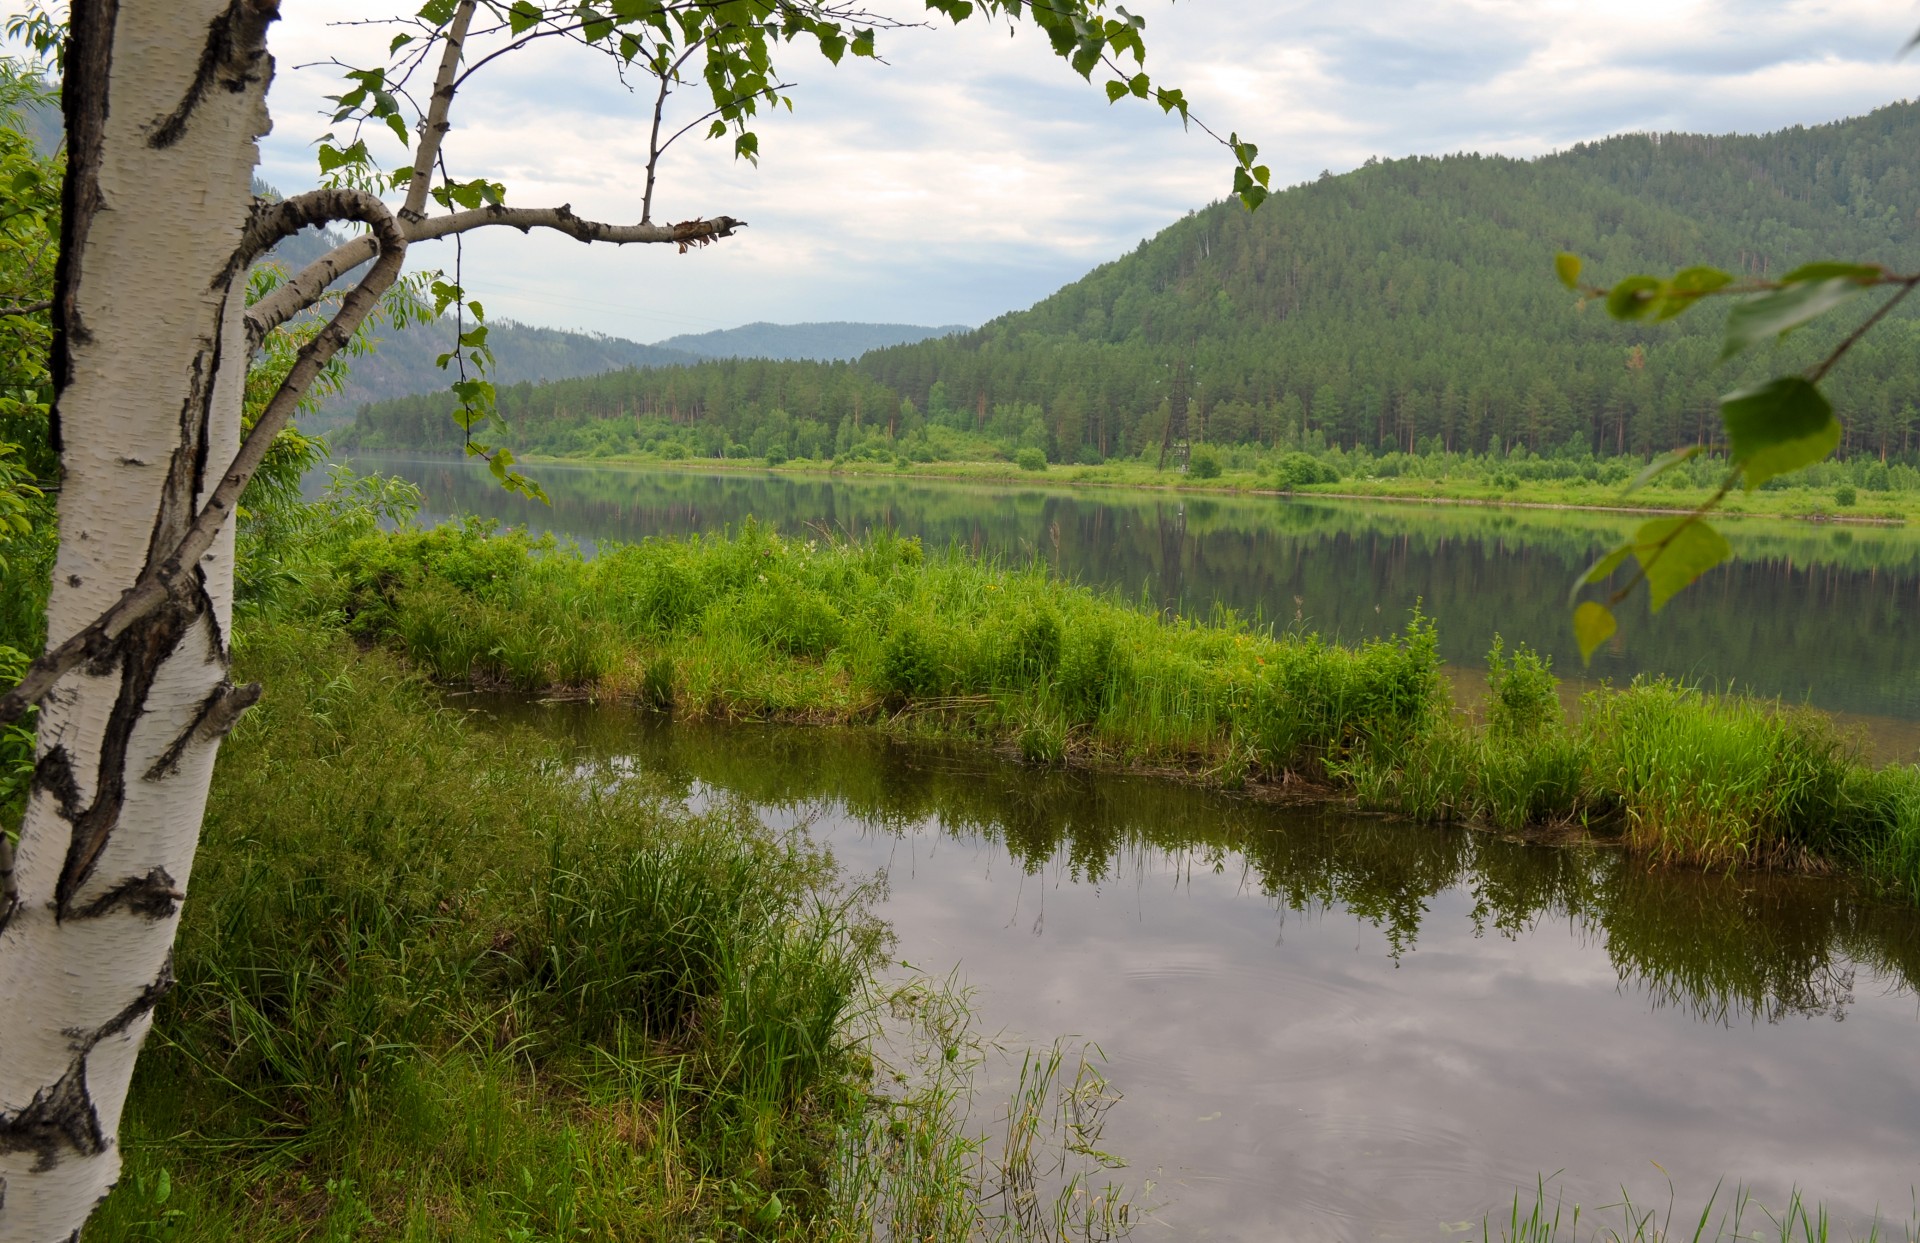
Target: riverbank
432,983
879,635
1799,503
404,996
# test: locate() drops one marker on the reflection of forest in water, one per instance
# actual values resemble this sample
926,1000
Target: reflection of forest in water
1724,948
1816,613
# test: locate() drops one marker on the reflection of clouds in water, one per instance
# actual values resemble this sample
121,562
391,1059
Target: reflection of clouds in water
1293,1068
1357,1096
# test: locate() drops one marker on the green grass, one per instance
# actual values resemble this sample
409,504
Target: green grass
433,981
442,982
878,634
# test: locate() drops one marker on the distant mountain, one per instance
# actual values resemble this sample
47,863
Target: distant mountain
830,342
403,365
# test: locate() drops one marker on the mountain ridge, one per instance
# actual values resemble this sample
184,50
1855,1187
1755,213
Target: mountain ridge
1408,304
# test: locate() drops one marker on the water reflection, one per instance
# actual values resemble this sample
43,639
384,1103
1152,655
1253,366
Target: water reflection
1807,612
1330,1025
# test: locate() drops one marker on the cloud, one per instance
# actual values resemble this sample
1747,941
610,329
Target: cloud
973,173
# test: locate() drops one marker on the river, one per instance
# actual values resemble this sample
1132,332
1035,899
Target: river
1335,1026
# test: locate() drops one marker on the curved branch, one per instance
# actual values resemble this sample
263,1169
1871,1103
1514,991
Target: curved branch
169,577
305,289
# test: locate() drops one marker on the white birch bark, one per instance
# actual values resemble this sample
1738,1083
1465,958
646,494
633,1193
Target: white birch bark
165,102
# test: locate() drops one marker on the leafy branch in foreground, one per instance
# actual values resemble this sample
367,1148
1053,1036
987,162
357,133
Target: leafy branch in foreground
1772,428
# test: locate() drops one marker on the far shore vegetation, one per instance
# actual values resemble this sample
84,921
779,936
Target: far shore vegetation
1845,492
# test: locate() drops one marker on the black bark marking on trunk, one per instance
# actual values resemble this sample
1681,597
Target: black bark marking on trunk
217,714
187,464
83,102
144,650
60,1119
54,775
153,896
230,59
149,996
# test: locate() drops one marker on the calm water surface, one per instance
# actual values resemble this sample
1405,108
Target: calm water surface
1329,1026
1822,614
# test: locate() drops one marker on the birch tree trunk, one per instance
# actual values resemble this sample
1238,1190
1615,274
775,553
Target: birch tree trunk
164,102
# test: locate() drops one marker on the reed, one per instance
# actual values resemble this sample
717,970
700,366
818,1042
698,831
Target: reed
1738,1217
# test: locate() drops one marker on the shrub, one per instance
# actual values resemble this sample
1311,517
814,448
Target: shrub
1204,462
1298,470
1030,459
1522,694
777,455
1844,496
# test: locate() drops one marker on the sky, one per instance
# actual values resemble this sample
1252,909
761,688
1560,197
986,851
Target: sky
972,173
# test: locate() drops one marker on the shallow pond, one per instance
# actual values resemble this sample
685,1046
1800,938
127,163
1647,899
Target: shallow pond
1817,613
1333,1026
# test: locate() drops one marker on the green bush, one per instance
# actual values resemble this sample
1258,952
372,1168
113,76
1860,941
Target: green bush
1844,496
1030,459
777,455
1300,470
1204,462
1523,696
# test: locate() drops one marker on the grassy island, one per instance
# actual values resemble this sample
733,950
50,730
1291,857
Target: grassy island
879,635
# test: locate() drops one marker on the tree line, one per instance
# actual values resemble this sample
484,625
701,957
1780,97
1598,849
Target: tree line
1406,306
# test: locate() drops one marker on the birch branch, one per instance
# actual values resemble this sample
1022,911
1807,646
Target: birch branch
434,129
170,576
303,290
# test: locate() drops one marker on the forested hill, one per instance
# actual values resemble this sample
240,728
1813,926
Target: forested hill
825,342
1414,298
1407,303
405,363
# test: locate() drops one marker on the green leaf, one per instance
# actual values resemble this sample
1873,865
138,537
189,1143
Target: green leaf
399,128
1593,624
1676,551
523,16
438,12
1635,297
1116,91
1688,286
1660,466
1778,426
1699,280
399,41
1779,313
1566,265
1607,563
1863,273
863,43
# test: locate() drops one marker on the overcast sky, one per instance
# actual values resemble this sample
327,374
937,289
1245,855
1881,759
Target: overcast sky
973,173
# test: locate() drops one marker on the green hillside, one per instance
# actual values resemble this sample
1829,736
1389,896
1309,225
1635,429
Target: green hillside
1408,304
